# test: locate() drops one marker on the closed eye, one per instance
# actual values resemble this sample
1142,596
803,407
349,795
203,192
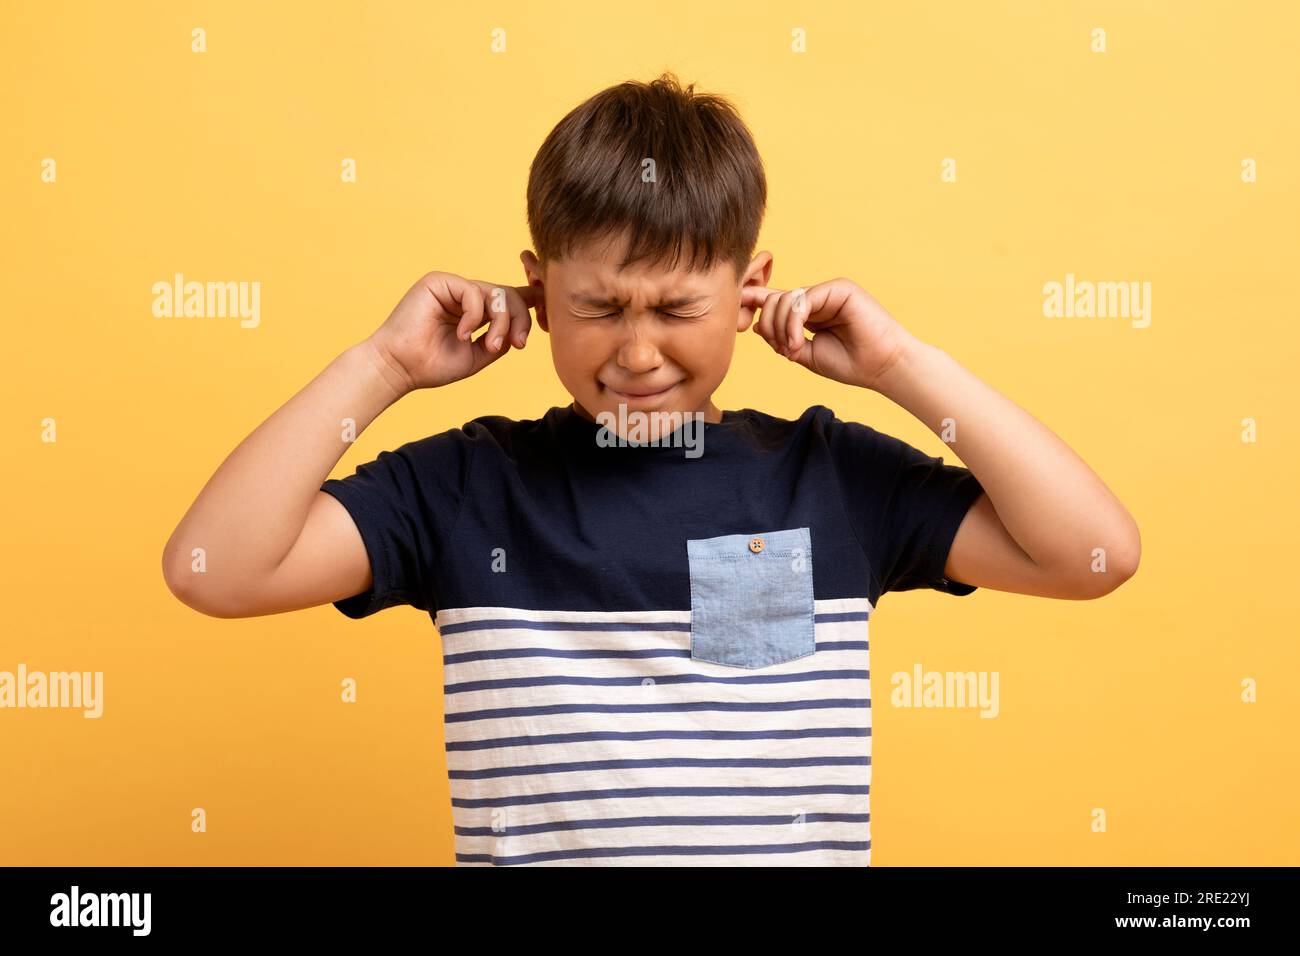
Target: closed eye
671,315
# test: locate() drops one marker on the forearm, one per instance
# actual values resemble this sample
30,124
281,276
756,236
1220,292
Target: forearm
1055,507
251,511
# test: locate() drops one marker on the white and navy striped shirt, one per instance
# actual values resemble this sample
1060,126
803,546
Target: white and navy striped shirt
583,724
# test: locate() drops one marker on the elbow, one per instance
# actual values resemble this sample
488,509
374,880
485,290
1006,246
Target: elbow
186,585
1116,575
1114,567
194,598
174,576
1131,559
177,574
1129,556
180,582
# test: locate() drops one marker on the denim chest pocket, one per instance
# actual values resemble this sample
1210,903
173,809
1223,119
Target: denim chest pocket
752,598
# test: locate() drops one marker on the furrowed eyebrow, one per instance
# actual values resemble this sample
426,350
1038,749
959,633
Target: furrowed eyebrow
606,301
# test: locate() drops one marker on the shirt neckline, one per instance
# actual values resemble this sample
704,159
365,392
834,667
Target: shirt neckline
578,432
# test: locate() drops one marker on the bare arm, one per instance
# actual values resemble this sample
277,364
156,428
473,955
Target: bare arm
1044,514
270,539
1046,525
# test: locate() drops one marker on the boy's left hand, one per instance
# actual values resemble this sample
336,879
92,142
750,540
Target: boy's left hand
854,341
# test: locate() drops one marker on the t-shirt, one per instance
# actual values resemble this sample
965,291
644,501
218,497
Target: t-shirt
656,652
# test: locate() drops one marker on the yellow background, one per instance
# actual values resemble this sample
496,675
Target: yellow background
225,165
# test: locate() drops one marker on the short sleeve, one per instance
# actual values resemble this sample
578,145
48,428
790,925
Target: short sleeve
405,504
904,505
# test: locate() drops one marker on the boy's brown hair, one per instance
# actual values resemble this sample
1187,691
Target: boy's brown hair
588,181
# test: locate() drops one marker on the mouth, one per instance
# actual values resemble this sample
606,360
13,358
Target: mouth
641,395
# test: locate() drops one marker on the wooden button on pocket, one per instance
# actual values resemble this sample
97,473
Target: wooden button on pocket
752,598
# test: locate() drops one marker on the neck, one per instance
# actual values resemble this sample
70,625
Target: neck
712,414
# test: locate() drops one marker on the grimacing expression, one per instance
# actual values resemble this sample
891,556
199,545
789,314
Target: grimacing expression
649,337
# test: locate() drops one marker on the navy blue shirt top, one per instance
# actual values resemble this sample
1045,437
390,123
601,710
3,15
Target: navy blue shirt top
604,528
634,657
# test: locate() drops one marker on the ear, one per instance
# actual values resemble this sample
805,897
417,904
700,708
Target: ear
757,274
533,275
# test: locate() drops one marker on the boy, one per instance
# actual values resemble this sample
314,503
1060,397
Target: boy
652,656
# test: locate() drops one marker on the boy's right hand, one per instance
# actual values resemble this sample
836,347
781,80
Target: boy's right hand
425,342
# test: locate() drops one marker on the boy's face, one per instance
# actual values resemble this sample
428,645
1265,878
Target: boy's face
651,339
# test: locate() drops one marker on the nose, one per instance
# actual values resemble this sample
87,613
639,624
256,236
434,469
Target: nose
639,354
